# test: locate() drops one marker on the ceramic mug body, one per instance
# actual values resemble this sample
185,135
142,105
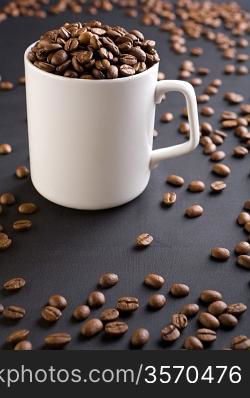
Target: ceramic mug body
90,141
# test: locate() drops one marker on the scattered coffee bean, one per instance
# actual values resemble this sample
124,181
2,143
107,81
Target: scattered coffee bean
177,181
196,186
58,301
21,80
179,290
221,169
217,307
108,279
5,149
211,90
96,299
207,111
179,320
197,51
216,83
228,320
206,335
209,149
127,304
220,253
233,98
14,284
203,98
190,310
240,343
196,81
154,280
242,70
247,227
157,301
6,85
140,337
7,199
240,151
24,345
109,315
194,211
51,314
57,340
167,117
91,327
206,129
144,240
208,296
229,124
242,248
81,312
247,204
14,312
245,109
203,71
27,208
243,218
22,225
193,343
217,139
208,320
236,309
184,129
229,69
244,261
17,336
217,156
169,198
5,242
170,333
116,328
22,172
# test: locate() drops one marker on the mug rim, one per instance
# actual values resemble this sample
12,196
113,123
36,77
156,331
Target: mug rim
88,81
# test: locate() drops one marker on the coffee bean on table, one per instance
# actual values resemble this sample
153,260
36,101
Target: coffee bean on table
217,139
242,248
108,279
243,218
144,240
179,320
24,345
127,304
207,111
169,198
196,81
209,149
51,314
170,333
216,83
96,299
244,261
154,280
208,296
175,180
247,226
7,199
140,337
206,335
116,328
245,108
21,80
6,85
14,312
17,336
203,71
217,156
211,90
240,151
193,343
184,129
236,309
22,172
179,290
196,186
203,98
221,169
247,204
14,284
109,315
167,117
220,253
233,98
208,320
229,69
217,307
157,301
81,312
57,340
228,320
197,51
5,242
229,124
5,149
240,343
91,327
22,225
1,308
27,208
194,211
58,301
189,310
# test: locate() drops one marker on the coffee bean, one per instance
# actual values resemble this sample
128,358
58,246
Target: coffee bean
169,198
189,310
175,180
243,218
5,242
229,124
22,225
196,81
203,98
203,71
217,307
244,261
206,129
144,240
116,328
229,69
247,227
179,290
208,320
154,280
167,117
7,199
5,149
228,320
81,312
22,172
221,169
233,98
184,129
236,309
112,72
91,327
217,139
197,51
14,312
1,308
242,57
17,336
179,320
209,149
109,315
240,151
14,284
96,299
127,304
247,204
242,248
27,208
193,343
51,314
196,186
57,301
170,333
6,85
24,345
245,109
21,80
157,301
206,335
108,279
217,156
194,211
240,343
140,337
57,340
208,296
221,134
220,253
207,111
242,70
241,132
211,90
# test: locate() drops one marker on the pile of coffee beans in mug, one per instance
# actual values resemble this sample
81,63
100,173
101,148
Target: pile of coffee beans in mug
92,51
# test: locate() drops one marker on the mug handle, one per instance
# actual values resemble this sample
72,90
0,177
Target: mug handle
187,90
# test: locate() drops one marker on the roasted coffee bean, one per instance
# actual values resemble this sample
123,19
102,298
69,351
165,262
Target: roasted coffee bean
220,253
24,345
7,199
207,111
217,156
21,80
196,81
144,240
108,279
1,308
58,301
242,57
229,124
203,71
5,242
27,208
109,315
179,290
216,83
209,149
22,225
242,70
217,139
126,70
59,57
169,198
221,169
229,69
112,72
242,248
233,98
5,149
243,218
244,261
217,307
208,320
91,327
194,211
240,151
14,284
240,343
96,299
14,312
6,85
189,310
221,134
228,320
203,98
241,132
127,304
206,335
170,333
157,301
51,314
196,186
179,320
57,340
22,172
228,115
177,181
247,204
17,336
211,90
245,109
46,67
206,128
154,280
140,337
197,51
116,328
167,117
236,309
193,343
81,312
184,129
208,296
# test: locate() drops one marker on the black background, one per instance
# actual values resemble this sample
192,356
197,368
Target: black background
67,250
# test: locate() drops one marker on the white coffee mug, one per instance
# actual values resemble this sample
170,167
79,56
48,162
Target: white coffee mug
90,141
